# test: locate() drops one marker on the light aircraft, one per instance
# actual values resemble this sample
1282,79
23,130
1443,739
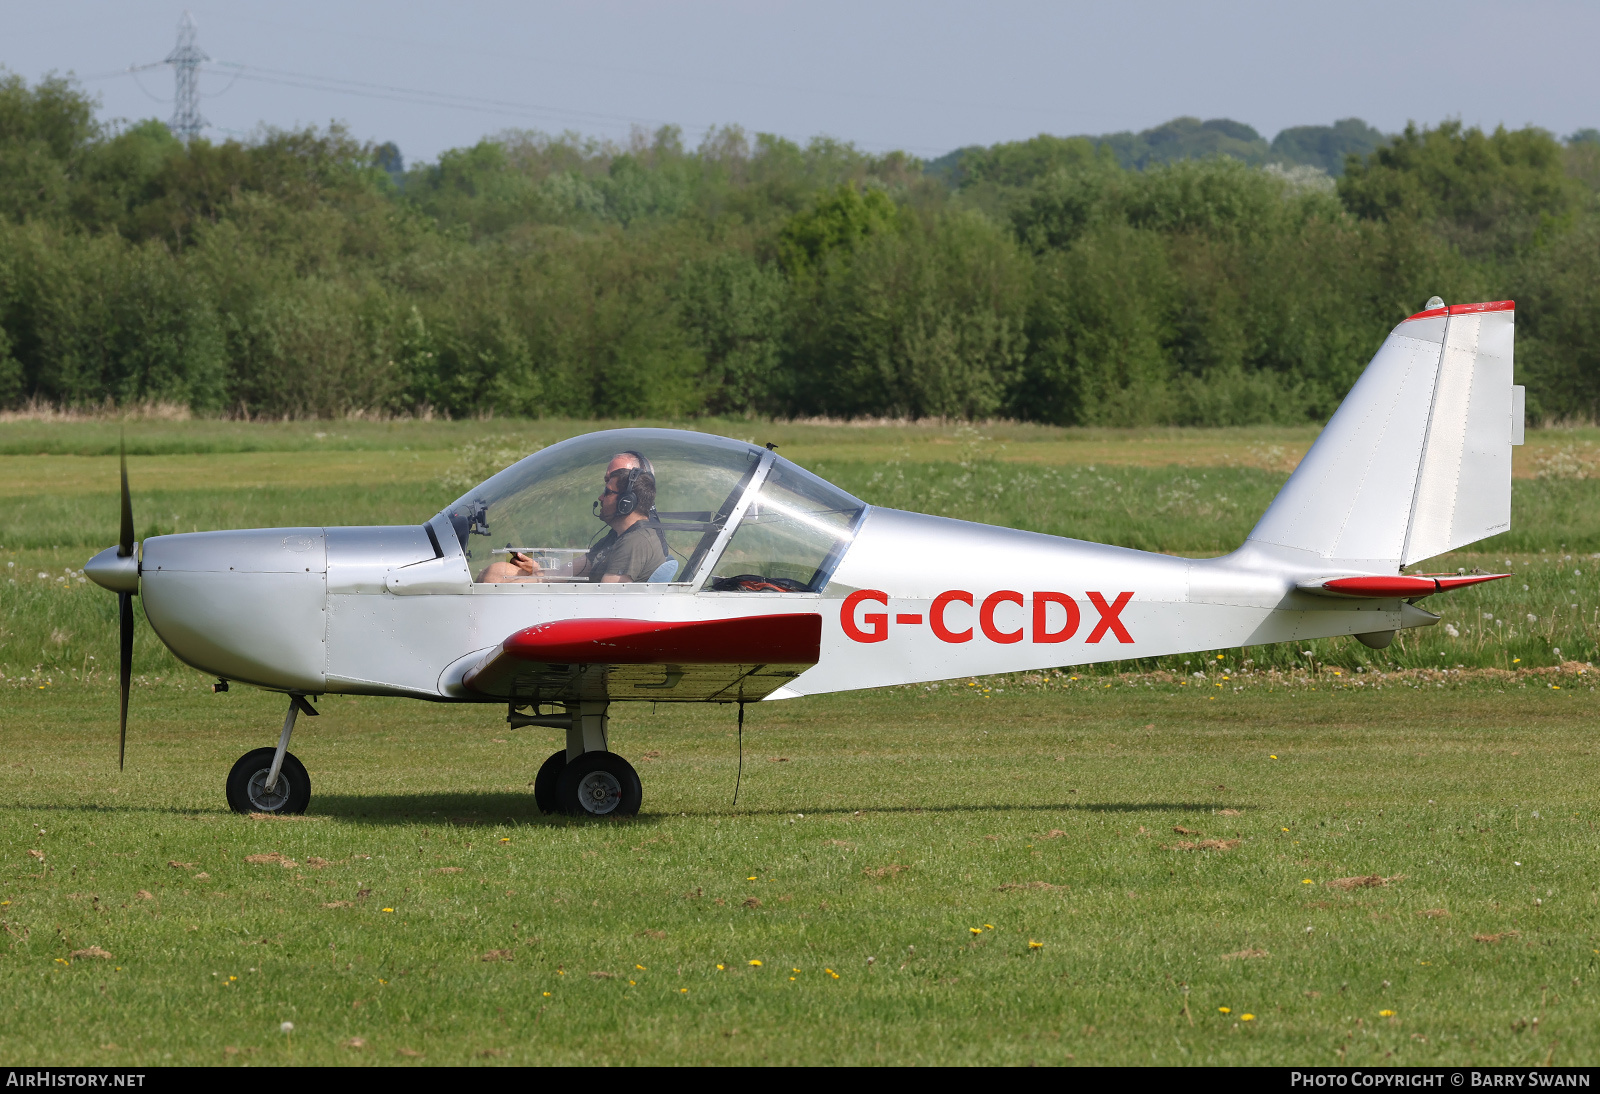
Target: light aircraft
765,582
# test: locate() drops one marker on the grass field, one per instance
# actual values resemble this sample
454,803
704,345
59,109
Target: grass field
916,842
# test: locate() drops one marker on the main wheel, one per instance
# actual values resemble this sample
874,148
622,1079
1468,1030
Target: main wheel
545,782
599,784
247,784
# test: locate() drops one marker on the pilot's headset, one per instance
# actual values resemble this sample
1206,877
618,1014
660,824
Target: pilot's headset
628,496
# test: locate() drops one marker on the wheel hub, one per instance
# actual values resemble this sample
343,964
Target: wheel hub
599,792
268,801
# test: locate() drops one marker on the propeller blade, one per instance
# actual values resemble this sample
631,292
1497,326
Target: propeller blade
125,544
125,608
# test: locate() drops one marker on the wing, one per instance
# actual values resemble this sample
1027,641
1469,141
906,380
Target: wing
717,660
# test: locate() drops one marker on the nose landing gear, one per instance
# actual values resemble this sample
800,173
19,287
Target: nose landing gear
272,780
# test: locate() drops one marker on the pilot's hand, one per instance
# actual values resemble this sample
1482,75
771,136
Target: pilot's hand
525,565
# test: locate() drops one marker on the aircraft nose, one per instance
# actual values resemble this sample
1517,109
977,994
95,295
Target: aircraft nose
112,571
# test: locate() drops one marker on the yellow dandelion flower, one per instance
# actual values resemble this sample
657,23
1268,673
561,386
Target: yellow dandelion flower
1224,1010
1386,1014
750,878
388,909
641,968
794,970
1515,660
505,839
1306,881
683,991
1283,829
791,978
719,968
757,964
1032,945
561,972
1274,758
975,930
382,981
633,983
988,926
835,975
1247,1018
547,995
3,903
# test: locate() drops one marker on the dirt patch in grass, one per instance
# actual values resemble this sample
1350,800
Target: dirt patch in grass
1017,886
1366,881
894,869
498,955
268,859
1434,913
1244,955
1203,845
1501,937
91,951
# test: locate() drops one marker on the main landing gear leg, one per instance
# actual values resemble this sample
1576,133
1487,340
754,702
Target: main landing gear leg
586,779
272,780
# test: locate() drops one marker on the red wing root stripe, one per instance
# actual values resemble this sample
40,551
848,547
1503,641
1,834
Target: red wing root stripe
776,639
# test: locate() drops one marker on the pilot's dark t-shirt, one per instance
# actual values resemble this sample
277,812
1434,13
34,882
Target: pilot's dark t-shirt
635,554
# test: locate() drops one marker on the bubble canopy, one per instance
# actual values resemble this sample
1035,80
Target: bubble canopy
733,516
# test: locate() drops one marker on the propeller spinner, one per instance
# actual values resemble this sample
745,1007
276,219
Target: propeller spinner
117,568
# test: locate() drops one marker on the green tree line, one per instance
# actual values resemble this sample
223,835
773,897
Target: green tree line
1192,274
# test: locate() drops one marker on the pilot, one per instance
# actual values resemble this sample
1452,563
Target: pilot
635,547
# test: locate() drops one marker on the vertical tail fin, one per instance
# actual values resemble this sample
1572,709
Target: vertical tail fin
1417,459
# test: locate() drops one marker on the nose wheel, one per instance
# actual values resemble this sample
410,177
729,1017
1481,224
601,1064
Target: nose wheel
247,784
273,780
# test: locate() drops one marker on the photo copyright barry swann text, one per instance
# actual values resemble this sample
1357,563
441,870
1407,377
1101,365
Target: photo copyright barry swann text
1466,1078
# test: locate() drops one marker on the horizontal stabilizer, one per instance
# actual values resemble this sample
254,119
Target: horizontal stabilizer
1407,586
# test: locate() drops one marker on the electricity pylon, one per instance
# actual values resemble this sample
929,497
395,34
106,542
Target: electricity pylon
185,60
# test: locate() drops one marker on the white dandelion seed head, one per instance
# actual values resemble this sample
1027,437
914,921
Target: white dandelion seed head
1488,615
1532,618
287,1027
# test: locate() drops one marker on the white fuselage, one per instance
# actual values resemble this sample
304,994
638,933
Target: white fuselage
393,611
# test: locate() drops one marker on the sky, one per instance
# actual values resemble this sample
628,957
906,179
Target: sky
926,76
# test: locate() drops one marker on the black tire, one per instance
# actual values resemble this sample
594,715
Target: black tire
246,792
599,784
546,781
